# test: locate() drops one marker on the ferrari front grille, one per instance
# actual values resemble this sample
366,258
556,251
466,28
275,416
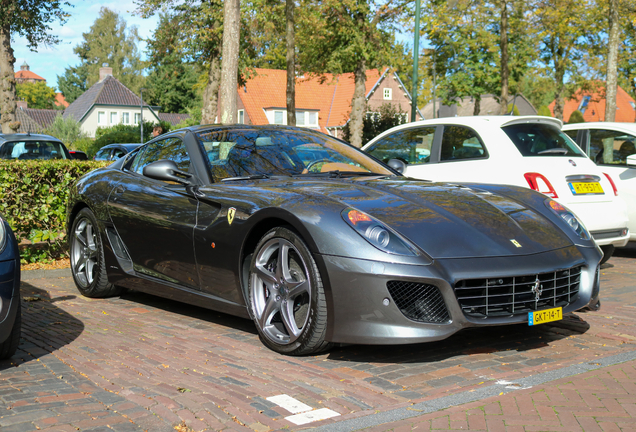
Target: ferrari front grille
419,302
507,296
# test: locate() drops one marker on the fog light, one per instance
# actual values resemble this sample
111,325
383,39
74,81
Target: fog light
386,302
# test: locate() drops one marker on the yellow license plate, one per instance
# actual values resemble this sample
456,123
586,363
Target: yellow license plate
586,188
544,316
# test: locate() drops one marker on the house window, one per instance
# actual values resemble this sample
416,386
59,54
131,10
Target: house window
125,118
101,117
137,118
388,94
114,118
241,116
313,119
278,117
300,118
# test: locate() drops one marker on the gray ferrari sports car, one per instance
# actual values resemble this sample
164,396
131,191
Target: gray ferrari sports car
320,243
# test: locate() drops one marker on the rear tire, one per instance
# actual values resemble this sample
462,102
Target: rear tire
9,346
87,258
286,297
608,251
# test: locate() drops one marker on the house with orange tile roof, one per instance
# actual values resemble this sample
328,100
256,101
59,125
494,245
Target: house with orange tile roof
322,102
592,105
25,75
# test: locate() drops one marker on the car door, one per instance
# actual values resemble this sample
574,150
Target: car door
155,219
609,149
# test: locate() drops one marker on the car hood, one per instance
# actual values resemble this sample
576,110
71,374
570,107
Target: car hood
451,221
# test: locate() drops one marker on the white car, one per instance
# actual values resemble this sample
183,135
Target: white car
527,151
613,147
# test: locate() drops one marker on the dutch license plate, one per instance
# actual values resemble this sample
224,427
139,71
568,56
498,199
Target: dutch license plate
544,316
586,188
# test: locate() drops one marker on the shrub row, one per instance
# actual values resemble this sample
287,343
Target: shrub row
33,197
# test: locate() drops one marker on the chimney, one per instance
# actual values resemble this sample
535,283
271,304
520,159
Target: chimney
22,104
105,71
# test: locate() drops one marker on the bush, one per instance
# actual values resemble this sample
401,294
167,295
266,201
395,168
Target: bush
67,130
33,197
576,117
122,133
544,111
377,122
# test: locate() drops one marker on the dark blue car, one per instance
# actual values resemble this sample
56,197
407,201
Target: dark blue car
10,316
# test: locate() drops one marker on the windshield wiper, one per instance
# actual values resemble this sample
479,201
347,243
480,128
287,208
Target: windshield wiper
249,177
555,150
340,174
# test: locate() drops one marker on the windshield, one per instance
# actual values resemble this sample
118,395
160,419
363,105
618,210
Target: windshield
252,152
25,150
538,139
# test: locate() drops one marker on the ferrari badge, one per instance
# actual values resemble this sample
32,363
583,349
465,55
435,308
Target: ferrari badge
230,215
514,242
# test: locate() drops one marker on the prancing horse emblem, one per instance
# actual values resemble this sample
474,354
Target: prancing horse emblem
230,215
537,289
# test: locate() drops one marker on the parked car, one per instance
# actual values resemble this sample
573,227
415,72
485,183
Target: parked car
78,154
10,308
331,248
527,151
32,146
112,152
612,147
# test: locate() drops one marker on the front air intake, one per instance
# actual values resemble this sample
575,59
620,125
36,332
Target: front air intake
419,302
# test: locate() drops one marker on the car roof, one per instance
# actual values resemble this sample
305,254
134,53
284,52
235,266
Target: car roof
626,127
128,146
476,122
27,137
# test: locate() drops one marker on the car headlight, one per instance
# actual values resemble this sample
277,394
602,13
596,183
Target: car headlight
378,234
569,218
3,235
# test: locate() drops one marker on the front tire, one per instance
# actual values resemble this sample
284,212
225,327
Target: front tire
87,257
286,296
9,346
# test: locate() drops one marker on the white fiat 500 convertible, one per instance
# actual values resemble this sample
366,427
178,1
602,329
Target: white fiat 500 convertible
529,151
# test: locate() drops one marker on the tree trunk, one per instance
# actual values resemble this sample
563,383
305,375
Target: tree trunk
229,63
559,96
291,63
503,45
211,93
477,108
358,104
7,84
612,60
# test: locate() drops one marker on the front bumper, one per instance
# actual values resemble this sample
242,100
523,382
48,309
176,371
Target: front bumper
362,310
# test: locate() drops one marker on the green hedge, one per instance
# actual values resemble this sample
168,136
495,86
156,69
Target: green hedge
33,197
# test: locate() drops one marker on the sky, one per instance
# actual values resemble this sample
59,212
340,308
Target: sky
51,61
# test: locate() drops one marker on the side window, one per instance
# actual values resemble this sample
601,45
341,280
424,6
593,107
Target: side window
611,147
172,149
461,143
102,155
413,146
117,153
572,134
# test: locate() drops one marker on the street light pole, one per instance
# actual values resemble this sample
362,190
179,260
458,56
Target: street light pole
141,119
416,58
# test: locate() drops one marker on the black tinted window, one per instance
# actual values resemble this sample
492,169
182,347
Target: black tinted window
413,146
171,149
611,147
461,143
535,139
26,150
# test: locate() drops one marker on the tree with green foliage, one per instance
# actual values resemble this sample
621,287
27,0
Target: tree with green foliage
68,130
30,19
109,41
544,111
377,122
562,26
173,78
347,36
576,117
36,94
74,82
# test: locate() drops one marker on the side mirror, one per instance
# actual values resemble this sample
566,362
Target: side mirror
631,160
398,165
166,170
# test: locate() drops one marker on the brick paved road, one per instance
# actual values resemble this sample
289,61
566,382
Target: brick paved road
144,363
